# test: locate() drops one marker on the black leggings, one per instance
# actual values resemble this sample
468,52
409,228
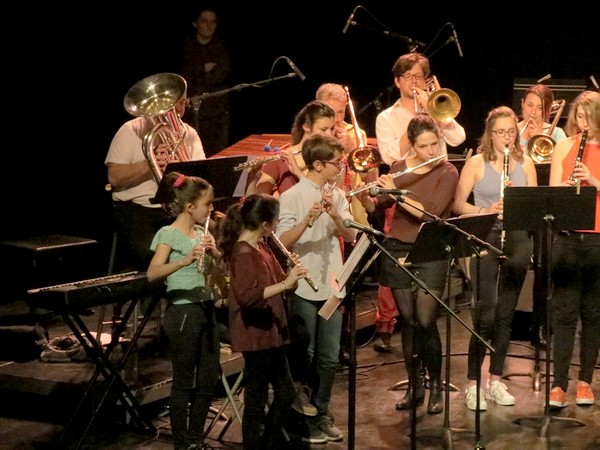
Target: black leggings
193,342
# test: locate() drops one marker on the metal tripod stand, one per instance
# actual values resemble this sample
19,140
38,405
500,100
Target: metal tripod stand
549,208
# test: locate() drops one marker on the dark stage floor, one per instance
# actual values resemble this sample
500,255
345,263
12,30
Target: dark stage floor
35,409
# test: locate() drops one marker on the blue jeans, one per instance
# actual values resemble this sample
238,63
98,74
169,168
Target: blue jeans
575,295
323,349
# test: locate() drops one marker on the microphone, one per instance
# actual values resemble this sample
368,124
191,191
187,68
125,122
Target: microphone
295,69
349,21
376,190
352,224
456,40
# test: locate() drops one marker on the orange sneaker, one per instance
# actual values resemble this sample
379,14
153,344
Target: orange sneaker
585,396
558,398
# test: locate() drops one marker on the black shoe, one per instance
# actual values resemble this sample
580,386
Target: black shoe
436,404
541,336
383,343
406,402
344,358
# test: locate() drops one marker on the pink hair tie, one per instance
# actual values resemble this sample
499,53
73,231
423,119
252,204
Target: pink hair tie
179,181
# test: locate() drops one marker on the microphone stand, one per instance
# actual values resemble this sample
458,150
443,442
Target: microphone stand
197,100
377,100
413,45
449,310
478,243
448,41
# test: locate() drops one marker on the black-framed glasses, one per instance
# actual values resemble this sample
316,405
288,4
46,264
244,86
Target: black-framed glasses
502,133
408,76
338,164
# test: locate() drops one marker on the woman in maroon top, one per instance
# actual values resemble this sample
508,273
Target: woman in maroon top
276,177
257,315
431,189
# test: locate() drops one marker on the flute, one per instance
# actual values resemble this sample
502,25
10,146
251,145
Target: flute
394,175
203,255
286,252
329,190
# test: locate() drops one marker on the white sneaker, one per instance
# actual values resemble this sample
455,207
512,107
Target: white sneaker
497,392
471,399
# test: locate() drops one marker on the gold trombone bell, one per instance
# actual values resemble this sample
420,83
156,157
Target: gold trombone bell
443,105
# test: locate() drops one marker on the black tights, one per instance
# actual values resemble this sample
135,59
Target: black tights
421,338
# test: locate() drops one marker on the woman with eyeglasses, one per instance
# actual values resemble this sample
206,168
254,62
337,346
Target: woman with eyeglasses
411,72
500,279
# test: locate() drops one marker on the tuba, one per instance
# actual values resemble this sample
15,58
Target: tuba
541,146
155,98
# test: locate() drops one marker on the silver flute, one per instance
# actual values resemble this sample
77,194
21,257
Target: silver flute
394,175
286,252
203,255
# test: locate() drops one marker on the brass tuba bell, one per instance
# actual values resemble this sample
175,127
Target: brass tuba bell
155,98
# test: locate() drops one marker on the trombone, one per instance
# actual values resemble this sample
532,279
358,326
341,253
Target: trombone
363,158
443,105
541,146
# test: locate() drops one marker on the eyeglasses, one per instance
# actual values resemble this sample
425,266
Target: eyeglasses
408,76
501,133
185,102
338,164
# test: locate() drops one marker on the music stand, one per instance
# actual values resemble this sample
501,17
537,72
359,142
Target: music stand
448,240
217,171
550,208
422,253
362,256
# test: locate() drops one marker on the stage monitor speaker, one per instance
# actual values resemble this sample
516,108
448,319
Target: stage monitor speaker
562,89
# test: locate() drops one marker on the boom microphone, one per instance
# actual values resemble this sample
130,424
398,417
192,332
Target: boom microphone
456,40
349,21
376,190
295,69
352,224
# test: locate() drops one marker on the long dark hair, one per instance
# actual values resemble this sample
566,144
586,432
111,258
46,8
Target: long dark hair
248,214
308,115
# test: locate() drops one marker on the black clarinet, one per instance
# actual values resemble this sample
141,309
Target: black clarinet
578,160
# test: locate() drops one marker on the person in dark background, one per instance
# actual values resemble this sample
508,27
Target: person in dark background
206,68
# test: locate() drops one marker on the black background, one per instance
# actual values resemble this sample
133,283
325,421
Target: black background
67,71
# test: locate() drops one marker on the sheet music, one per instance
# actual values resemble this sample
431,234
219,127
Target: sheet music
359,250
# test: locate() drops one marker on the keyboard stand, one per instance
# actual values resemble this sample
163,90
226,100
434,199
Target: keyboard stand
109,370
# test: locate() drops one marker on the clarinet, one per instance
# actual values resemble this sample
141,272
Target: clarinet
503,182
578,160
308,279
